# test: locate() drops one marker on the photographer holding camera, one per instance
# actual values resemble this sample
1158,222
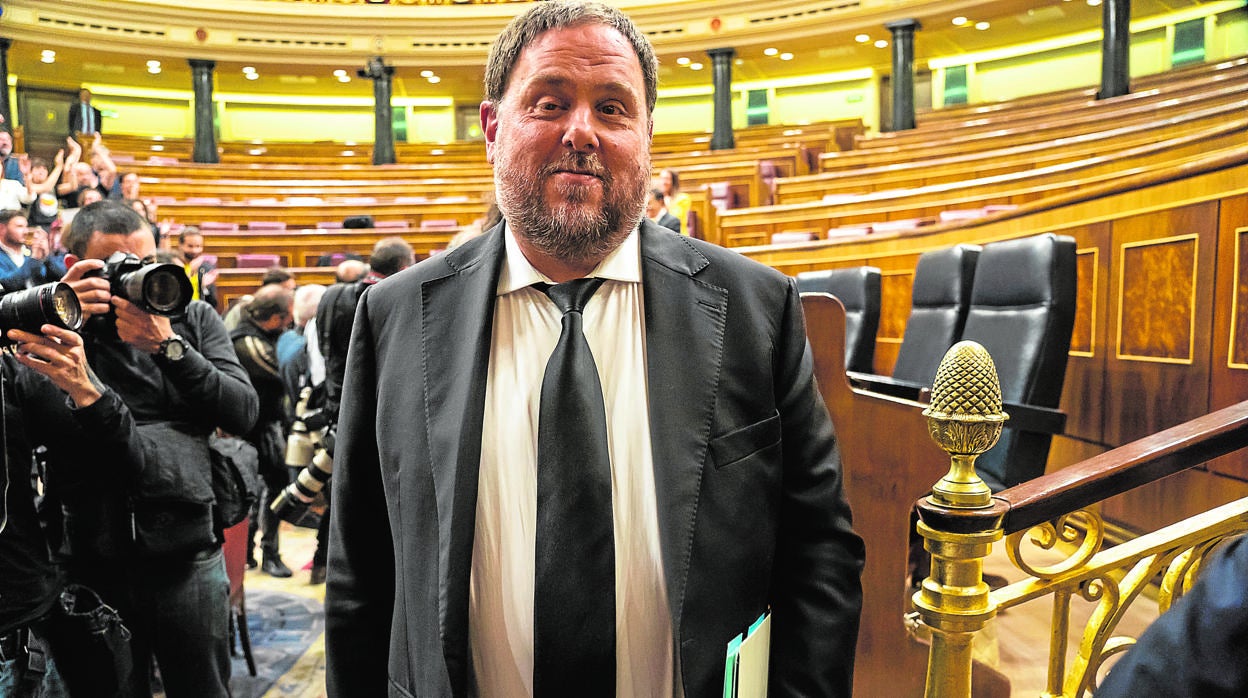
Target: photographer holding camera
41,651
255,341
146,539
334,317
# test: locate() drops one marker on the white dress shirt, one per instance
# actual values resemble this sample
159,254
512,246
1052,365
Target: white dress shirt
526,329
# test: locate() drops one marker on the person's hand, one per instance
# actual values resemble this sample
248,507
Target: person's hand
59,160
23,164
141,330
210,278
39,244
93,292
195,264
75,154
98,147
58,354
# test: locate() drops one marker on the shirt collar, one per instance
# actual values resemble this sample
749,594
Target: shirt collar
623,264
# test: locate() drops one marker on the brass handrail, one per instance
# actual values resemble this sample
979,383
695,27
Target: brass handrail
1051,512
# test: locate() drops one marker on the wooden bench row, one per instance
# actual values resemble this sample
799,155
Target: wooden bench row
757,225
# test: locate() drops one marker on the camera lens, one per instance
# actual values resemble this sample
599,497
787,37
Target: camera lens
53,304
162,291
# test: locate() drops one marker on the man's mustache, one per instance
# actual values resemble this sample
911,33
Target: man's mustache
579,163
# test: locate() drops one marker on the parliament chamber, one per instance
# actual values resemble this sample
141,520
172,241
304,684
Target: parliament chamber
811,171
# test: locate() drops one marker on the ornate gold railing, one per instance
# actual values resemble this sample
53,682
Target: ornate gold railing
961,520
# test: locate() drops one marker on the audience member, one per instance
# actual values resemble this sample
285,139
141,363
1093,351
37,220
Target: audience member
129,186
147,540
676,200
490,538
22,266
272,275
656,210
294,340
8,161
255,341
41,184
350,271
84,118
13,195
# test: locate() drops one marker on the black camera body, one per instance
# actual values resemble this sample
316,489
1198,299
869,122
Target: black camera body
29,309
156,288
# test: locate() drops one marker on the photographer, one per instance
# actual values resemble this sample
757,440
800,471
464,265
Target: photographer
146,540
334,317
255,341
39,653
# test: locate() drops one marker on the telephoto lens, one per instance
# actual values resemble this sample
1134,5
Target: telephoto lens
156,288
310,446
29,309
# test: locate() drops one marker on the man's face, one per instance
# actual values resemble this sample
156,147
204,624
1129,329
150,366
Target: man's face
139,243
39,174
191,247
15,232
84,96
653,207
85,175
570,143
130,186
665,182
6,143
89,196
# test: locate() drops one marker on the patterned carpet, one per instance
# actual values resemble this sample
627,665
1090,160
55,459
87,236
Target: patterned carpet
286,620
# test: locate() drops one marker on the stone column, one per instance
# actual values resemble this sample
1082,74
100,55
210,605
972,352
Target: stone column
903,72
721,74
383,139
205,149
6,110
1115,48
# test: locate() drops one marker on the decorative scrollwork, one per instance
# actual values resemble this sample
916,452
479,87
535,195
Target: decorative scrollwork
1083,528
1181,574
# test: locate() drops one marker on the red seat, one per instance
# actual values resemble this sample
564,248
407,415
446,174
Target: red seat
257,261
235,552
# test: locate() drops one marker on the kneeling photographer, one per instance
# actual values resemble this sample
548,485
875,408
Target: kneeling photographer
146,539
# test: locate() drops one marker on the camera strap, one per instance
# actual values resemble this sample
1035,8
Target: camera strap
4,444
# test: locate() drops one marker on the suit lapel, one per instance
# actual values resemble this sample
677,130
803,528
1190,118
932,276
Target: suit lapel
456,322
685,321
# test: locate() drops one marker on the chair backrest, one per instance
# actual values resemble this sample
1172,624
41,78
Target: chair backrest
858,289
391,224
329,225
266,225
234,550
257,261
1023,312
438,223
218,226
939,302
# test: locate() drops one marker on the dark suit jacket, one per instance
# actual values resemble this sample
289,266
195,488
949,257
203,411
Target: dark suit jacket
669,221
75,118
747,475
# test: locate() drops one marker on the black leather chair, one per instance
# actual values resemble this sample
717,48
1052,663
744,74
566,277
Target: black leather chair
858,289
940,300
1023,312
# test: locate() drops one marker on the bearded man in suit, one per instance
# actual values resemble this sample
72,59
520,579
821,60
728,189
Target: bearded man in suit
723,484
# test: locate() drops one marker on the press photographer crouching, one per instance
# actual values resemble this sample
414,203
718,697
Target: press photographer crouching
143,534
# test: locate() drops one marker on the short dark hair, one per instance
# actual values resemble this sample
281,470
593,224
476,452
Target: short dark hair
275,275
36,163
657,195
105,217
562,14
9,214
187,232
270,300
390,256
675,178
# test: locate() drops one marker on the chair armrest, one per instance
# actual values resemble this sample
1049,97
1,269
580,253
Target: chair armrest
1044,420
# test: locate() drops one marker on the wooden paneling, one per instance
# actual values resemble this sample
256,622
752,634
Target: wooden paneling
1158,375
1084,390
1229,366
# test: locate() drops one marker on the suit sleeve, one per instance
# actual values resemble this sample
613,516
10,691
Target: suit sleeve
1199,647
359,595
816,588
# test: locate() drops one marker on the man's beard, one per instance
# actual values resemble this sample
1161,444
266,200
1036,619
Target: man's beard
568,230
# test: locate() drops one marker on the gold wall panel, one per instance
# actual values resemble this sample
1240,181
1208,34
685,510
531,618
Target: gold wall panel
1157,300
1237,357
1081,336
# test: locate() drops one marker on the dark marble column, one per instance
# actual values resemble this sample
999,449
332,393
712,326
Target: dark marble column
383,139
721,74
205,135
903,72
6,110
1115,48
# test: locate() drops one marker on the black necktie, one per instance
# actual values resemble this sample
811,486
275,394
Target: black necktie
574,583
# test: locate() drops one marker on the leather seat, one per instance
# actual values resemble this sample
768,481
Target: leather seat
858,289
1023,311
940,300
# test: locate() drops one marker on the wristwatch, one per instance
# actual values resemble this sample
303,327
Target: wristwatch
173,348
